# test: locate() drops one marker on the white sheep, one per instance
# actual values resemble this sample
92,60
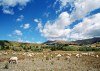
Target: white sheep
13,60
97,56
78,55
69,54
59,55
5,53
85,54
67,57
29,54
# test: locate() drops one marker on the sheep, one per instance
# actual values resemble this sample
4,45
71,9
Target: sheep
13,60
78,55
29,54
69,54
97,56
67,58
84,53
5,53
58,56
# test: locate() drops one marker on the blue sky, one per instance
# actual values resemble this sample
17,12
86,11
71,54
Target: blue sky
38,21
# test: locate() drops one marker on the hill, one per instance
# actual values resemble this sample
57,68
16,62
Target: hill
88,41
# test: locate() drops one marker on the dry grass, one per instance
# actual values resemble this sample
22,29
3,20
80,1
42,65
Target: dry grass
47,61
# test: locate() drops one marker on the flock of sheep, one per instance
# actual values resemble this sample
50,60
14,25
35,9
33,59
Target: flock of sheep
14,59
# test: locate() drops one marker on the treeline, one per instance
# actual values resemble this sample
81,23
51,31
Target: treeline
74,48
23,48
16,46
5,45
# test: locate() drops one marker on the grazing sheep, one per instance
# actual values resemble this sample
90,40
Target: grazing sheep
44,55
85,54
69,54
67,58
78,55
13,60
29,54
5,53
59,55
97,56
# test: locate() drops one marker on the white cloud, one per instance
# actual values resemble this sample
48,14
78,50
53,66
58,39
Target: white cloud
8,11
20,40
36,20
9,4
18,33
89,27
56,29
20,18
25,26
81,7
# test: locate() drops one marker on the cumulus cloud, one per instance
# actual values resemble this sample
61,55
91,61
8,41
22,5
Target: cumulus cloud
81,7
25,26
18,33
9,4
56,29
88,28
20,18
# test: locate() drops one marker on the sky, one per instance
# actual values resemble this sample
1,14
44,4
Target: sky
41,20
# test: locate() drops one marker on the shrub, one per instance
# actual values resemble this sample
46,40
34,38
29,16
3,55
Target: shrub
17,48
70,48
6,66
84,48
89,49
37,49
0,47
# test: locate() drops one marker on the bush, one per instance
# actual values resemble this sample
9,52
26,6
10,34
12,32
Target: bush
6,66
64,48
70,48
89,49
37,49
85,49
17,48
0,47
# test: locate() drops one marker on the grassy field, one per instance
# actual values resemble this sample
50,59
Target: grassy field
48,61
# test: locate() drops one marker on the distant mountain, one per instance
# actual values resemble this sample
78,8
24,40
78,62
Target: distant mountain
88,41
84,41
57,42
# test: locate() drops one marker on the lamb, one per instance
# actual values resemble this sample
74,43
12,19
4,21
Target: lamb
13,60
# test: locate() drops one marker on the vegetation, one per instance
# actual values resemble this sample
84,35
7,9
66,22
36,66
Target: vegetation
16,46
6,66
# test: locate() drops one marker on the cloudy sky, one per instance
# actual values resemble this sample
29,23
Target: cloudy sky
41,20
